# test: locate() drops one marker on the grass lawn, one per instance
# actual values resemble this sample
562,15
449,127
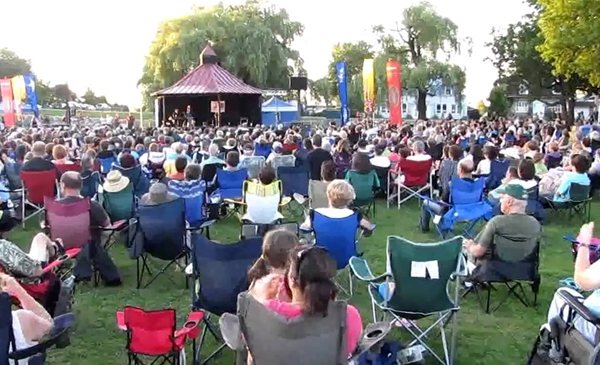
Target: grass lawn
97,113
504,337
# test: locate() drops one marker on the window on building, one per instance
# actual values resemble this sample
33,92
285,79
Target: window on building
448,91
521,106
438,108
444,108
403,106
453,108
523,90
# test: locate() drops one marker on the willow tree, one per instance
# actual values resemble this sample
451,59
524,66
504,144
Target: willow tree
425,36
252,41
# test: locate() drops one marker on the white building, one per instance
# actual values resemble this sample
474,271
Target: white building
441,105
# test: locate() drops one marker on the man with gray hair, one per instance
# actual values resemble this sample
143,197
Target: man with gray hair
38,162
213,156
511,236
419,153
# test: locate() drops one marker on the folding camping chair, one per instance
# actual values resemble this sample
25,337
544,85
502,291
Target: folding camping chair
106,164
196,212
339,237
421,273
220,273
262,203
498,170
466,205
89,185
579,203
153,235
414,178
282,161
137,178
209,171
230,185
296,182
62,168
155,334
364,186
253,164
553,162
37,185
252,230
119,206
35,354
511,273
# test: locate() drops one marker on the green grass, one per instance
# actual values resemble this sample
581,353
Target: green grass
97,113
504,337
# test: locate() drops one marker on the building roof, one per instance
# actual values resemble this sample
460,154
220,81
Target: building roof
209,78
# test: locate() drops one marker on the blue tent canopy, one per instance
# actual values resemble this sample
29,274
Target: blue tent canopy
276,111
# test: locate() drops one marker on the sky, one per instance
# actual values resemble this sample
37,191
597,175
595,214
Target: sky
103,46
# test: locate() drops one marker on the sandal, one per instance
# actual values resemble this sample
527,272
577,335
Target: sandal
59,248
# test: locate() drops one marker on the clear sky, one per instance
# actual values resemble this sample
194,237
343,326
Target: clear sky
102,44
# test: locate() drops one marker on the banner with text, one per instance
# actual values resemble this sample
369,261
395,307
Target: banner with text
342,80
7,102
393,73
369,85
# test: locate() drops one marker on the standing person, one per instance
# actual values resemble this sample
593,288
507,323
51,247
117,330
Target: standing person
316,157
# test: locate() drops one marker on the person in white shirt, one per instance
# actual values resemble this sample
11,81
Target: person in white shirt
419,153
379,160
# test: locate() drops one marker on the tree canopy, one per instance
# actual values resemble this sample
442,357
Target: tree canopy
252,41
12,65
499,103
570,30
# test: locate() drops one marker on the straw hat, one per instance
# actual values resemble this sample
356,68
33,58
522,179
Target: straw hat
115,182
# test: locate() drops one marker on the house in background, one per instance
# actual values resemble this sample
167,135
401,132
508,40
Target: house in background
440,105
522,104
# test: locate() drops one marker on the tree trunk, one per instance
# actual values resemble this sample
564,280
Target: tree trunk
422,104
571,110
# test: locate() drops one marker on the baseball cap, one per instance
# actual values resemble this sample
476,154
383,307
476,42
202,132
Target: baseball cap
516,191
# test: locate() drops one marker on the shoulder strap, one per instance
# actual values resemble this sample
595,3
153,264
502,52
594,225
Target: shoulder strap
341,314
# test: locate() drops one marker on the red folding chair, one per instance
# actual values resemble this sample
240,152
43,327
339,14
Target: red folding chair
414,178
154,334
36,186
62,168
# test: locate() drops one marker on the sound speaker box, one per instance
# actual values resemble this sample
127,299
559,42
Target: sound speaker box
298,83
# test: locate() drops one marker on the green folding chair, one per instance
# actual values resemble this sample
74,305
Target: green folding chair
579,203
422,273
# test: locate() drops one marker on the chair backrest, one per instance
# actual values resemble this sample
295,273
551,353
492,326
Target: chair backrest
69,221
553,162
498,170
262,150
106,164
253,230
231,183
466,192
210,170
222,271
337,235
273,339
363,184
253,164
579,192
5,327
424,270
262,201
294,180
62,168
150,332
317,194
416,173
194,194
90,183
163,238
283,160
137,178
39,184
119,205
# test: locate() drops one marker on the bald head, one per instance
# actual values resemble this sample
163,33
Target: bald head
465,167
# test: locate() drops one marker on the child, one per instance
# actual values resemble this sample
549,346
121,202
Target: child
538,163
267,274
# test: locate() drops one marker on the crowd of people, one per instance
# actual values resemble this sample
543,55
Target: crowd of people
292,278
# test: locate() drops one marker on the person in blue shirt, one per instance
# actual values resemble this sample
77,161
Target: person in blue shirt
577,175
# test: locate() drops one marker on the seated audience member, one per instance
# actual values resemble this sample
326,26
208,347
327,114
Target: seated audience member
448,169
180,164
213,153
105,152
152,157
587,277
316,157
340,194
276,150
553,154
158,194
268,273
419,153
379,160
232,161
27,266
342,157
577,175
178,151
266,175
465,172
127,160
361,165
248,151
48,151
60,155
192,172
530,149
538,163
490,153
317,190
512,236
37,162
31,322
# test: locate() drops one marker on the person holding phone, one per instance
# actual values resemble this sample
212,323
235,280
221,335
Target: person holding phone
32,322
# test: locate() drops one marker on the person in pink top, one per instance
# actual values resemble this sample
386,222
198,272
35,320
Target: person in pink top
310,286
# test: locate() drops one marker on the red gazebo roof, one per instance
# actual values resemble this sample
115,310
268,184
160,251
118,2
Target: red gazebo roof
209,78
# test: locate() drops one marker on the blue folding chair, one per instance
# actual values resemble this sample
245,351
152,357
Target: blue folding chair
262,150
295,182
159,231
90,181
194,194
106,164
221,274
230,183
137,178
466,205
498,170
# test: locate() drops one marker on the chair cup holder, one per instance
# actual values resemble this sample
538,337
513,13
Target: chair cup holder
190,324
373,334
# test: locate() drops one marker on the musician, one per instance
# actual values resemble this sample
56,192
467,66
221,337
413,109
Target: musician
189,115
130,121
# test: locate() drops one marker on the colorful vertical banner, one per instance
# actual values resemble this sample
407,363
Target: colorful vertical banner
7,102
393,72
342,79
19,94
369,85
31,93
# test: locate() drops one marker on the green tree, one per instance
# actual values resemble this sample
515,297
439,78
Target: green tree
44,92
12,65
92,99
569,30
62,93
499,103
424,35
354,55
320,91
481,107
252,41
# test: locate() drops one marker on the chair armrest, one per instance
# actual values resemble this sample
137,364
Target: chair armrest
360,268
69,254
371,336
116,225
202,225
191,327
581,310
189,270
121,321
